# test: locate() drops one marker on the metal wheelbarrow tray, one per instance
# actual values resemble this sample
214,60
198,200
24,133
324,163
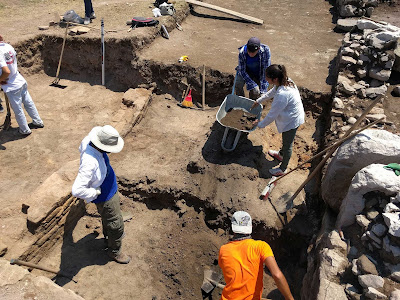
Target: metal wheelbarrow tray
232,101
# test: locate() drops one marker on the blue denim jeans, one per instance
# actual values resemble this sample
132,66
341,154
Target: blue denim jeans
88,8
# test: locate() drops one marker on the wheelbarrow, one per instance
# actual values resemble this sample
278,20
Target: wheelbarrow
231,135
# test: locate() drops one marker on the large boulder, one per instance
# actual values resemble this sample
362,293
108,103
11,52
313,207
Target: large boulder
369,147
371,178
383,40
396,65
17,283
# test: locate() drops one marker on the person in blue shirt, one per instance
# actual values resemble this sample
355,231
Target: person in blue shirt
254,59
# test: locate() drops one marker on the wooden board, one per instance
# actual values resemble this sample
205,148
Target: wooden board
227,11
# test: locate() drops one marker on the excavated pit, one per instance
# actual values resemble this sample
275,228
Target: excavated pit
186,230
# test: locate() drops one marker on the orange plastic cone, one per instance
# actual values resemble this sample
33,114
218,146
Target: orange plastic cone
187,102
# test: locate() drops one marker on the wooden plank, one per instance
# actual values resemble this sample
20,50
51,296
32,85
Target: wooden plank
227,11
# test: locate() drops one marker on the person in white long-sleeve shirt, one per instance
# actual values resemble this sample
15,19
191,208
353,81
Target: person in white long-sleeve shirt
96,182
286,110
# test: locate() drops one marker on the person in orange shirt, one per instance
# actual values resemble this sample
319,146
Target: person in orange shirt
242,261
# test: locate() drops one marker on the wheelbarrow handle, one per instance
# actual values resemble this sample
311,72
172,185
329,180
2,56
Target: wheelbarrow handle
234,83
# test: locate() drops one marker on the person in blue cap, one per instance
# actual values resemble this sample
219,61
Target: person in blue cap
254,59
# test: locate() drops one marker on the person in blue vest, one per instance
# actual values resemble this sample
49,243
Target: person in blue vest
96,182
254,59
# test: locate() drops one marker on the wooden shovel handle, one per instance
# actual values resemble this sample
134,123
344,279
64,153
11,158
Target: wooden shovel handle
333,149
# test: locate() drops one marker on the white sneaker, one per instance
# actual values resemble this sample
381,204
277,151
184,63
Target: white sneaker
275,154
86,21
92,15
24,132
276,172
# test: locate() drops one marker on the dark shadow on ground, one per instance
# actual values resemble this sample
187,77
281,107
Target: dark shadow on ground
333,11
333,71
245,153
75,256
10,135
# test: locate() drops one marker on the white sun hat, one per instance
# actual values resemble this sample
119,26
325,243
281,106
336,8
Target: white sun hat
106,138
241,222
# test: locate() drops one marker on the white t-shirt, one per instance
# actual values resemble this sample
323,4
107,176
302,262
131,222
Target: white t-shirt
8,57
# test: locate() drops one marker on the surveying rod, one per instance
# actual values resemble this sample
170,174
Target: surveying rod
103,51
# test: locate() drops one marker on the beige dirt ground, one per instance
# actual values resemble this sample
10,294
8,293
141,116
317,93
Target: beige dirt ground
170,243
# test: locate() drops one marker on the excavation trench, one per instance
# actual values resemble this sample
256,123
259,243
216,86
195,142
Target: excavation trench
175,232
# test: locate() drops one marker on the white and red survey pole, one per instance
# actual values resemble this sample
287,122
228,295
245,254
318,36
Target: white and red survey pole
103,51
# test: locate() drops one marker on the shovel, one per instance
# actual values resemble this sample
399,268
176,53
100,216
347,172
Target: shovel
7,121
210,281
272,183
55,81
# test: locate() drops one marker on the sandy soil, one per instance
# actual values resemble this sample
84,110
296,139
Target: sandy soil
174,154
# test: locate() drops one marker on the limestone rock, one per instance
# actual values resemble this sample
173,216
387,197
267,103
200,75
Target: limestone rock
391,208
335,242
371,178
332,263
379,74
392,221
370,280
51,192
17,281
376,91
366,266
351,120
352,156
10,274
396,65
354,268
376,117
346,24
371,3
372,214
338,103
347,11
394,271
366,24
383,40
347,60
372,293
347,88
395,295
330,290
362,73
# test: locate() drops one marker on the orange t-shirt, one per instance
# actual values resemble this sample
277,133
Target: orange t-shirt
242,265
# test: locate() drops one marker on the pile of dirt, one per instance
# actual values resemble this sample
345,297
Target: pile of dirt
239,119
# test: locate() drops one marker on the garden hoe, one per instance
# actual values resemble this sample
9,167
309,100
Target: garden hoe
7,122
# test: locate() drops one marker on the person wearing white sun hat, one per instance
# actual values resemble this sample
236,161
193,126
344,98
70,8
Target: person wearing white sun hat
96,182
